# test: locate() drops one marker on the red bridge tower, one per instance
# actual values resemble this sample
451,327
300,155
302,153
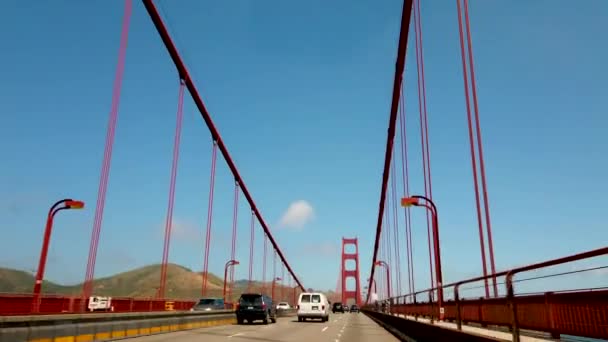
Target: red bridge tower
345,274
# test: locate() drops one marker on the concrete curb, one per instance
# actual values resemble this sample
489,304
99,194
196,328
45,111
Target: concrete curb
113,329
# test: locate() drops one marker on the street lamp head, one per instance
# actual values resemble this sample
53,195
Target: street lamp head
72,204
378,263
409,201
235,262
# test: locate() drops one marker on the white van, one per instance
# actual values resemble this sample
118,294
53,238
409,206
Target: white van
313,305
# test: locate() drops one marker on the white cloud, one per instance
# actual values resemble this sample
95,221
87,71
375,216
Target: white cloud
182,230
186,231
297,215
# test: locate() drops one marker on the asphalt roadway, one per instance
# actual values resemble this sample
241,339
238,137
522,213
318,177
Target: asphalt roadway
348,327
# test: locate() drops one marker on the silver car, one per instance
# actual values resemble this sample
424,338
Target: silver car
209,304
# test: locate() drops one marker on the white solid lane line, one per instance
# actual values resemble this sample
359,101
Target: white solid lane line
324,328
237,334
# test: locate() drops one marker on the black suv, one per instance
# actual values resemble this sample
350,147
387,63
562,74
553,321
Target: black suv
337,307
354,308
255,306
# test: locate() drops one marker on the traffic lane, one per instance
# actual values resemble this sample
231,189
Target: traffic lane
287,329
358,328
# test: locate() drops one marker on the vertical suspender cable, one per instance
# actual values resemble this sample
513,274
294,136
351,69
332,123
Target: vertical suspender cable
209,220
169,218
472,148
105,169
482,168
251,245
423,140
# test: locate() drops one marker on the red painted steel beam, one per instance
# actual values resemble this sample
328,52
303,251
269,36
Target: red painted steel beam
406,16
185,75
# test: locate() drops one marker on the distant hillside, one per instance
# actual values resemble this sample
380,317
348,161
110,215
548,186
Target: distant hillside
141,282
16,281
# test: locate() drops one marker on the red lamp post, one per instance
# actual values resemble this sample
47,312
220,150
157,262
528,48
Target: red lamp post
64,204
273,285
388,277
429,205
228,264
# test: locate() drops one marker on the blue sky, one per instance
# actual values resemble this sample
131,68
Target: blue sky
301,94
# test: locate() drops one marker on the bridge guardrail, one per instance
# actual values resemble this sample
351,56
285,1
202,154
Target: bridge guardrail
41,320
577,313
21,304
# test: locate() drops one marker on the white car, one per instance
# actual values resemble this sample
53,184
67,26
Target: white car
283,306
313,305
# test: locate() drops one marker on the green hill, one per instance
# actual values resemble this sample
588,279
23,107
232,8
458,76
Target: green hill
16,281
181,283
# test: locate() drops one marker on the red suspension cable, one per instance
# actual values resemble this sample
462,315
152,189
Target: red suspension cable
423,83
472,148
274,267
209,220
389,249
105,169
283,282
480,149
406,191
423,131
251,244
397,81
264,264
235,216
185,74
169,219
397,266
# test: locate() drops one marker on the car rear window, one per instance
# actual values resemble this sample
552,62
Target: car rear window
251,300
305,299
316,299
206,302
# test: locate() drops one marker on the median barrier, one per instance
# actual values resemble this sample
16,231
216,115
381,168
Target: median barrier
104,327
409,330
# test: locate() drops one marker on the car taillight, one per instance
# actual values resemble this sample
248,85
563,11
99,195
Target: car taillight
264,306
297,307
237,306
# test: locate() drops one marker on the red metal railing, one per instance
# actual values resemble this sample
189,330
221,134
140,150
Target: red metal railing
21,304
579,313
